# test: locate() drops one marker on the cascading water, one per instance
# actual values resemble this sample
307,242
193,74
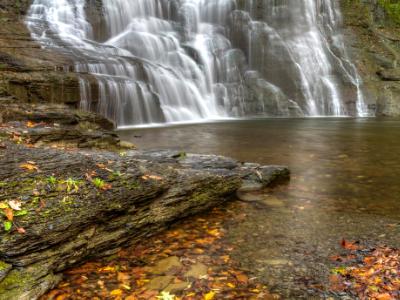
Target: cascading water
164,61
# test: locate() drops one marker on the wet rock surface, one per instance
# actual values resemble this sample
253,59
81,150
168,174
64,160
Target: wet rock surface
57,125
373,39
81,204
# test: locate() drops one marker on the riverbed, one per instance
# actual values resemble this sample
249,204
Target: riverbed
345,185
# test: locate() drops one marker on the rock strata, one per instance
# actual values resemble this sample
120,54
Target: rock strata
82,203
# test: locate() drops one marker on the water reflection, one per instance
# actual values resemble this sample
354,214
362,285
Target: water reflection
345,184
352,161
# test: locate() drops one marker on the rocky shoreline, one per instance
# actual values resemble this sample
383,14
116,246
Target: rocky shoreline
70,191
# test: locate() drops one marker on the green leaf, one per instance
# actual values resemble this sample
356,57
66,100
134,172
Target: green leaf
7,225
20,213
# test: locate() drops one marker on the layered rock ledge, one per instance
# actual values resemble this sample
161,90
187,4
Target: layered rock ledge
79,204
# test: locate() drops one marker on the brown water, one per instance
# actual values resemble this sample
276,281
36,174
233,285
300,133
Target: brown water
345,184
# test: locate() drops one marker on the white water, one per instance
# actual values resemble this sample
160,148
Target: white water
167,61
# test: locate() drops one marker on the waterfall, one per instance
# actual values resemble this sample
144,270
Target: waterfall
168,61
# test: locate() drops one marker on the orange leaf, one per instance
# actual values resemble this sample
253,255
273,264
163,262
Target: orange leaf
349,245
368,260
63,297
9,214
384,296
106,187
242,278
30,124
123,277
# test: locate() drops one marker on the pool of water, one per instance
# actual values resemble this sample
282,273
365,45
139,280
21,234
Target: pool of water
345,184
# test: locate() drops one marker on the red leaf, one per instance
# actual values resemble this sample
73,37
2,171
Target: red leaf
349,245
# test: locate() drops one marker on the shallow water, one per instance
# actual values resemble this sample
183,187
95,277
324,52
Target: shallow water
345,184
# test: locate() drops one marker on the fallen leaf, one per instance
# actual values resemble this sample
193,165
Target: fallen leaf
21,230
126,287
166,296
123,277
153,177
15,204
7,225
30,124
384,296
9,214
116,293
349,245
29,167
242,278
209,296
107,269
106,187
214,232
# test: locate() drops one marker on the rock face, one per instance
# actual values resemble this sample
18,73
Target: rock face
57,124
374,40
28,72
81,204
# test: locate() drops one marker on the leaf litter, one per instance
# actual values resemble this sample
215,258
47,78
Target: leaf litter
367,273
195,246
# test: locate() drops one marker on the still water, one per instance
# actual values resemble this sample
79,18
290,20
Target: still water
345,184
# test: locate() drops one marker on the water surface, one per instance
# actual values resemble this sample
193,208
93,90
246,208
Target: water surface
345,184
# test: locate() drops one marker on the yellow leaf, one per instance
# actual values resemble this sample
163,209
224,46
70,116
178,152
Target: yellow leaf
209,296
30,124
214,232
3,205
116,293
126,287
29,167
231,285
107,269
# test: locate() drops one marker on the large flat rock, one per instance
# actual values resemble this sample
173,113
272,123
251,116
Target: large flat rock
81,204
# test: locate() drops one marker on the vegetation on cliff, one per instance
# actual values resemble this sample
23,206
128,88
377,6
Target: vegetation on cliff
392,8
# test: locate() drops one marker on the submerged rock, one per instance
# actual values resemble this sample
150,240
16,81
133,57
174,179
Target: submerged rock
159,283
197,271
174,288
166,265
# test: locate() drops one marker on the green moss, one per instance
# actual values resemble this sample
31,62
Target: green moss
4,266
392,8
15,279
